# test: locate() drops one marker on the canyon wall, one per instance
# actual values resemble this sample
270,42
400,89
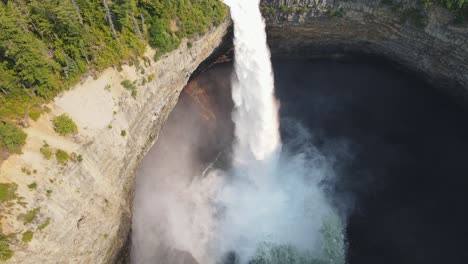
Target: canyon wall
424,39
80,212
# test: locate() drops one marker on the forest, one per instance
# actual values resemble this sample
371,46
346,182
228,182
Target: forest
48,45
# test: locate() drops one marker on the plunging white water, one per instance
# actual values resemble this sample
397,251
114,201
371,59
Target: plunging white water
270,207
256,113
271,202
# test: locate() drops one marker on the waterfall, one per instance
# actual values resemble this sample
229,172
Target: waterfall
256,113
271,207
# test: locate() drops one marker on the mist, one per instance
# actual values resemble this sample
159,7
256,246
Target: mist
259,200
272,200
189,209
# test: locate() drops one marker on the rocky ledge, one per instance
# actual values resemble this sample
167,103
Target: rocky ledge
424,39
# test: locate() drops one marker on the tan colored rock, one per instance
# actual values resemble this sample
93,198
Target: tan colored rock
89,202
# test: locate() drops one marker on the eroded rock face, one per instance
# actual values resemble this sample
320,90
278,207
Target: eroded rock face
423,39
169,218
87,202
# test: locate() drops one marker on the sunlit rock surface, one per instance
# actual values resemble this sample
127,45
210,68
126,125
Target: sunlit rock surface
89,202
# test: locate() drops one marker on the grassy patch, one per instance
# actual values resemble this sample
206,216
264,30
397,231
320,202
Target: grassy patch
25,170
123,133
62,156
34,114
131,86
27,236
151,77
8,191
46,151
268,10
44,225
5,251
11,137
64,125
335,12
32,186
29,216
287,9
458,7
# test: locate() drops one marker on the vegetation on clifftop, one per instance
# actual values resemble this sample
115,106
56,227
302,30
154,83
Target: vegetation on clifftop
46,46
64,125
11,137
27,236
458,7
8,192
5,251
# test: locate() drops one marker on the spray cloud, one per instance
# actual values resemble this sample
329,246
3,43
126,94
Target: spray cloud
272,200
270,207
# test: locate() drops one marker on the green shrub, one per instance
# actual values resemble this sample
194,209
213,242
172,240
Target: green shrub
64,125
268,10
335,12
29,216
302,9
5,251
34,114
454,4
46,151
287,9
32,186
44,225
11,137
27,236
151,77
131,86
62,156
123,133
458,7
25,171
8,191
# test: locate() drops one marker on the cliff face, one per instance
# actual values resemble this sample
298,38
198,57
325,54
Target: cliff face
424,39
80,212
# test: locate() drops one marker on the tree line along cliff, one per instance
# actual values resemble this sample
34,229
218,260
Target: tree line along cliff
46,46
